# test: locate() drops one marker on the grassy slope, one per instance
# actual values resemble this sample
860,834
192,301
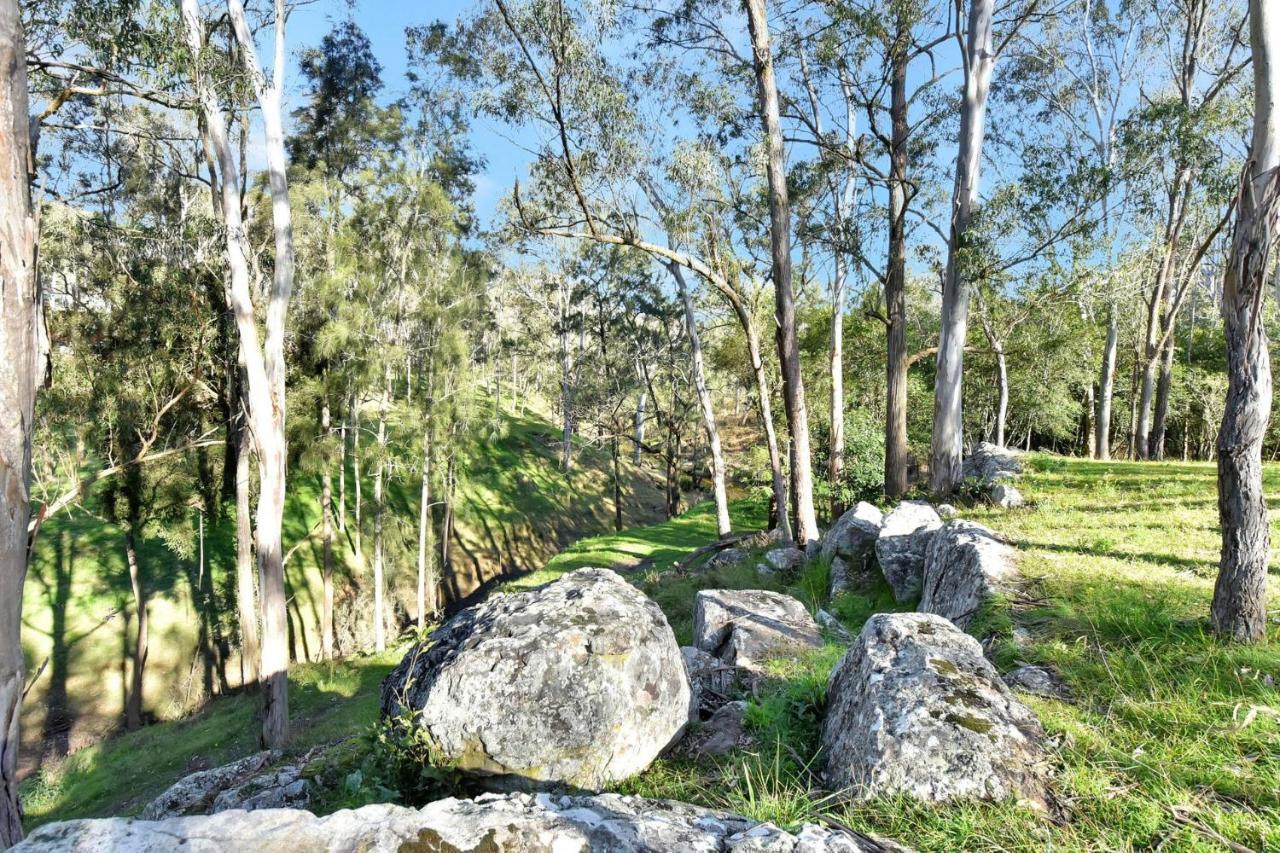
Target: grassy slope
1174,736
516,509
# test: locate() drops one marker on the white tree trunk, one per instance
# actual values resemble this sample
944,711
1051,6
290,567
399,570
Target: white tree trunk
246,606
947,451
1002,405
1106,389
723,526
21,371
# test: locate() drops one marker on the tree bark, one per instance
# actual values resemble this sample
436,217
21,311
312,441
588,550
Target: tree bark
723,526
1002,404
246,607
21,368
947,451
638,435
133,705
784,298
424,524
326,510
1164,387
379,510
264,364
1239,598
896,451
1106,389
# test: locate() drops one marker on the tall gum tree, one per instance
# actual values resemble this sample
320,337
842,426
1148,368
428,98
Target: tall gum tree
20,376
1239,608
264,358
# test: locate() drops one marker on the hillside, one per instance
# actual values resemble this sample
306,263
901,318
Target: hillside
515,509
1172,739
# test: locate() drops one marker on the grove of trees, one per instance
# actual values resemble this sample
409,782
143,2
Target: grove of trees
805,252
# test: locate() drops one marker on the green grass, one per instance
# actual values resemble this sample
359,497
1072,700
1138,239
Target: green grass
1174,735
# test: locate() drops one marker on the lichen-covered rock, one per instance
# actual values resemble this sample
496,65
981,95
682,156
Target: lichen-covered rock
197,792
724,732
902,544
854,534
712,682
965,565
946,511
991,463
782,560
1038,680
914,708
577,682
746,627
277,788
727,557
832,626
491,823
1005,495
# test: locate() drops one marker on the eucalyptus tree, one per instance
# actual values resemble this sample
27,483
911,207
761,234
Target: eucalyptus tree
263,357
20,376
1239,608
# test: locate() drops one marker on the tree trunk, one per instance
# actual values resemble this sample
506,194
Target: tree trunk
21,371
1106,389
342,468
264,365
614,450
1090,434
358,509
835,462
1002,403
379,471
1239,608
638,436
777,478
895,286
424,524
326,510
723,526
947,452
1164,387
784,298
250,648
566,395
133,705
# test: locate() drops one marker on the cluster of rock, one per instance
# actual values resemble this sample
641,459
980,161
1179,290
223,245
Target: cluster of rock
258,781
994,469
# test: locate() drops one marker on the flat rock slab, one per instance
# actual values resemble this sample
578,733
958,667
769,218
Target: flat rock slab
512,823
965,565
902,544
579,682
746,627
914,708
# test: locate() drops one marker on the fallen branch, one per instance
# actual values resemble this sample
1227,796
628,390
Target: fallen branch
718,545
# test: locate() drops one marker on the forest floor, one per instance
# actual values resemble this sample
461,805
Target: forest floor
1172,739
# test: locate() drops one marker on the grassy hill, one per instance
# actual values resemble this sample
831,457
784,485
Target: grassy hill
515,509
1172,742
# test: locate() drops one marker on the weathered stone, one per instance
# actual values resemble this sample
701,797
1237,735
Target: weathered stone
854,534
712,682
840,577
746,627
577,682
901,546
1005,495
1038,680
832,626
990,463
278,788
722,733
196,793
914,708
491,823
785,559
945,511
965,565
727,557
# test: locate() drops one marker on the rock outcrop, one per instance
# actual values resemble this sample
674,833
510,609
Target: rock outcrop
724,732
902,544
782,560
491,823
991,464
914,708
243,784
745,627
850,545
579,682
965,565
726,557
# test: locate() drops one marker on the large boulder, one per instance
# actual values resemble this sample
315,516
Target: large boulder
902,544
491,823
965,565
781,560
991,463
746,627
579,682
914,708
850,545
